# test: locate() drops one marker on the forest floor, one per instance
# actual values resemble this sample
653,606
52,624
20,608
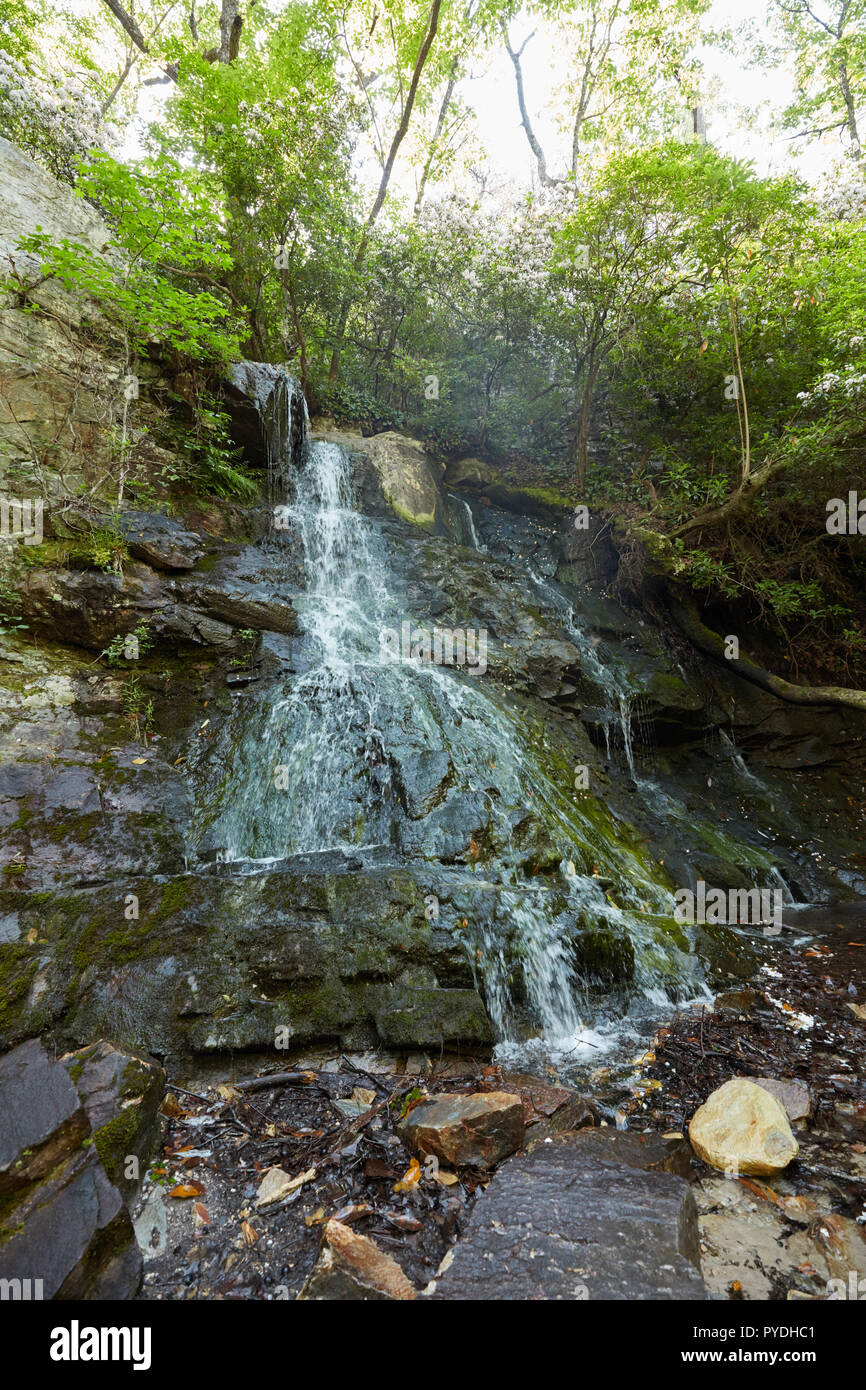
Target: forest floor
335,1124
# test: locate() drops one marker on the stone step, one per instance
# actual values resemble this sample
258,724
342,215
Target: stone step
574,1220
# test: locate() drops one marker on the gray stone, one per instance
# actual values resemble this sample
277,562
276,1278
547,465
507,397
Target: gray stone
160,540
563,1223
40,1115
121,1095
64,1224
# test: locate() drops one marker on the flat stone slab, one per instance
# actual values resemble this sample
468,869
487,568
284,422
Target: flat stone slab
159,540
569,1222
41,1119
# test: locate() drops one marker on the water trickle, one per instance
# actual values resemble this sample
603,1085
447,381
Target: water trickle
605,675
469,527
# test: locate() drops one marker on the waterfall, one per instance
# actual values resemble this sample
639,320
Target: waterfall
319,762
282,413
606,676
470,524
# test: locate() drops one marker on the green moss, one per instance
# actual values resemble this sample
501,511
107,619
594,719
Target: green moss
176,895
18,965
116,1140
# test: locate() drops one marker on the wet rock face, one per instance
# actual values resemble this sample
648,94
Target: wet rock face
213,963
64,1224
554,1224
159,540
267,410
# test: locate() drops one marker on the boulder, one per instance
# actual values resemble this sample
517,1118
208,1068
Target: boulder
352,1267
469,472
742,1128
159,540
569,1221
474,1131
65,1229
409,479
121,1095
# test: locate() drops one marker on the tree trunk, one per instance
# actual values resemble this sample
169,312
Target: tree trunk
388,169
714,645
584,422
715,516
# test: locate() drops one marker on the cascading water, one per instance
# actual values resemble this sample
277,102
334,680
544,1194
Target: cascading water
470,531
320,764
607,677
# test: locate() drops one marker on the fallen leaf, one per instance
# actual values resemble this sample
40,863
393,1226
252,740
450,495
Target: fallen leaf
353,1212
187,1189
276,1184
250,1236
316,1217
410,1178
201,1212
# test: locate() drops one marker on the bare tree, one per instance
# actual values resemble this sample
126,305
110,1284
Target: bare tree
231,25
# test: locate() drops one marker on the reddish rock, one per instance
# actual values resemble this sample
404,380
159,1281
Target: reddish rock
474,1131
352,1267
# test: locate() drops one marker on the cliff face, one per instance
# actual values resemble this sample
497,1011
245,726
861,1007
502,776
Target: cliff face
63,369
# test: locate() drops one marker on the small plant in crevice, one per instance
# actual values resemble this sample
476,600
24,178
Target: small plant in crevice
244,662
128,646
138,708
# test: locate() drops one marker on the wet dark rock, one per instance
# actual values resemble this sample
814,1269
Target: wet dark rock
555,1222
245,590
421,779
214,961
649,1150
42,1118
160,541
588,555
88,608
84,822
738,1001
432,1017
264,400
63,1224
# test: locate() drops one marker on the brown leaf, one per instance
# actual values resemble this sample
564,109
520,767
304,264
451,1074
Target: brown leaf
250,1235
201,1212
353,1212
187,1189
